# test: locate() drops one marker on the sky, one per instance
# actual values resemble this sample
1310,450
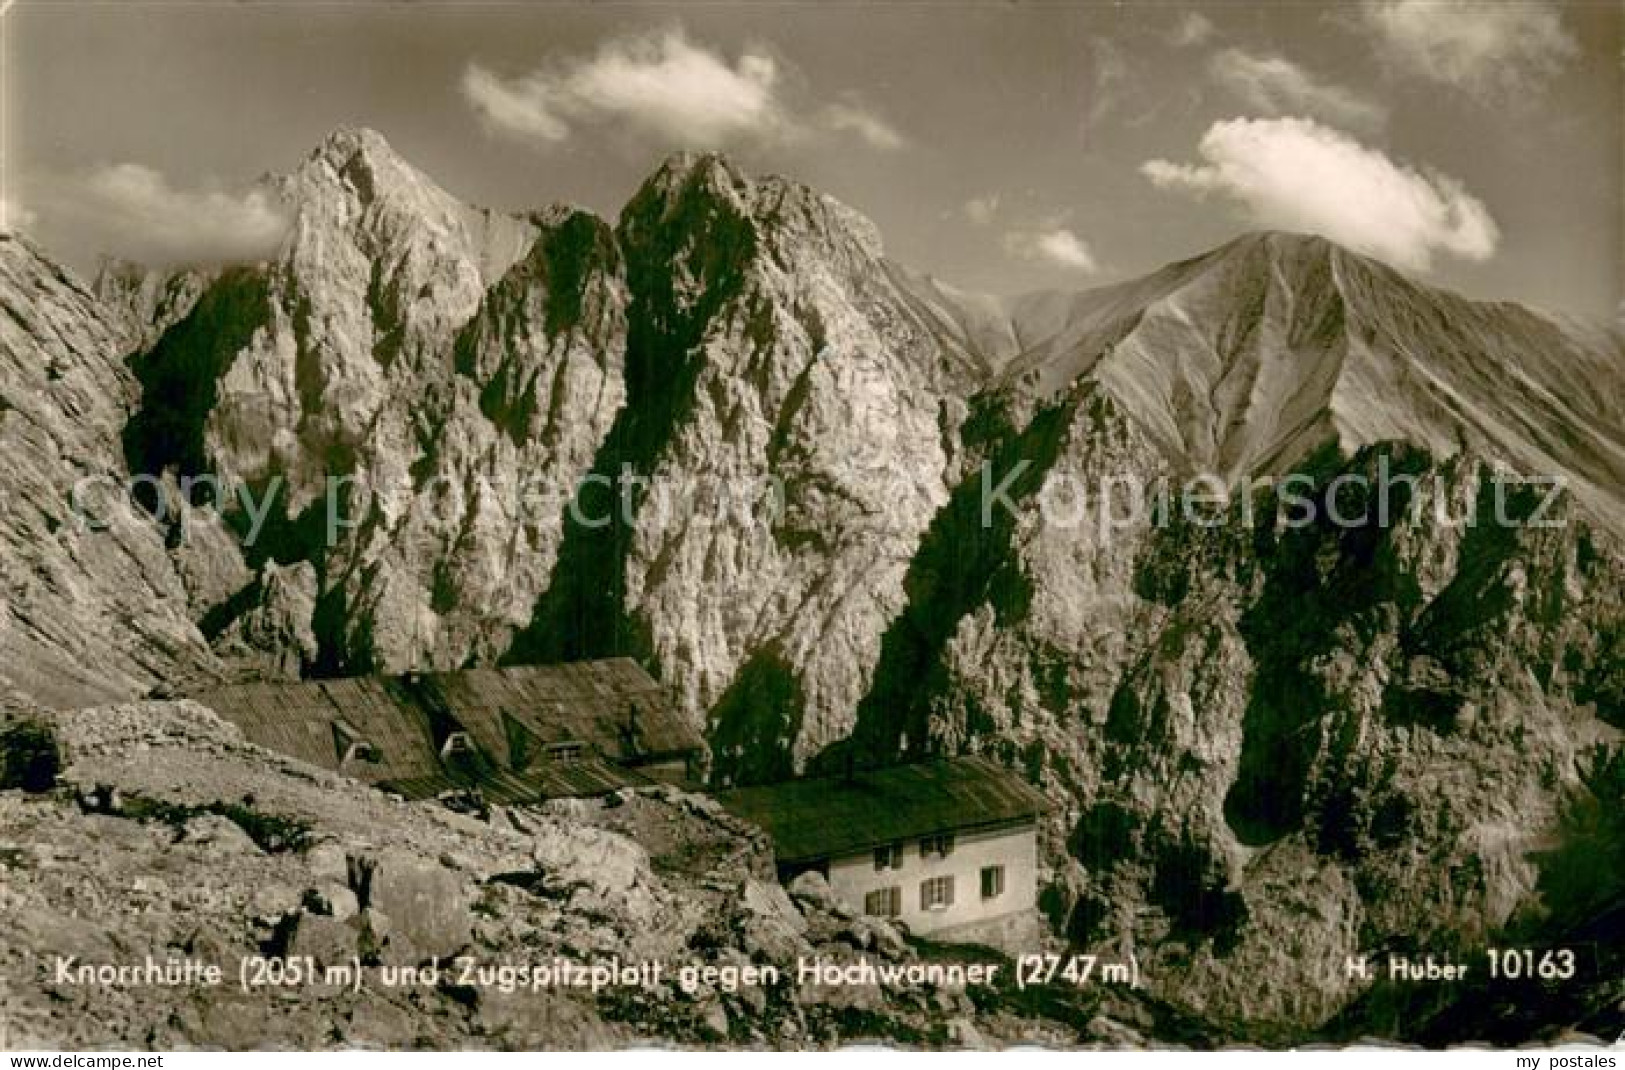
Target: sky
1002,147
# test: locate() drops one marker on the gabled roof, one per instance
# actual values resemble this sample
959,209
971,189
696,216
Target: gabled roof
830,816
298,719
612,708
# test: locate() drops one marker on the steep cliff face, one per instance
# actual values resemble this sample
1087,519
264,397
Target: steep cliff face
1280,743
791,411
90,603
843,510
1280,746
442,382
391,402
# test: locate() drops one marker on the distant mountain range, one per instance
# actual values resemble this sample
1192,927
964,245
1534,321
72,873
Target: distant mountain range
1272,746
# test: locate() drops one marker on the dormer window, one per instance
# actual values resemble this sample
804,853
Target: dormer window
567,751
457,745
350,746
522,743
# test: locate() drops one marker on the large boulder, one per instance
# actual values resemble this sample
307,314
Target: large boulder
770,925
426,903
600,870
812,889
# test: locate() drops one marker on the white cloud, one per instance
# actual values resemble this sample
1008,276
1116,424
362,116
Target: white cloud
1295,174
1495,49
1275,85
1054,245
1194,29
518,107
665,86
865,124
981,210
663,83
132,211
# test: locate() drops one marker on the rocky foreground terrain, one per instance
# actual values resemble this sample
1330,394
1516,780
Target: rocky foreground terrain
1272,745
167,835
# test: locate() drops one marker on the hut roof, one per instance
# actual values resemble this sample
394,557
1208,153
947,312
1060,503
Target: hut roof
830,816
610,706
538,731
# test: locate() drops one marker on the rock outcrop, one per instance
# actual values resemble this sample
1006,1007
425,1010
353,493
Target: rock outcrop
171,839
91,606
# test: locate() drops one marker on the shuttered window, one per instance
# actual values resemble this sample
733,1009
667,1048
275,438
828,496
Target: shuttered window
889,857
941,845
937,893
884,902
992,882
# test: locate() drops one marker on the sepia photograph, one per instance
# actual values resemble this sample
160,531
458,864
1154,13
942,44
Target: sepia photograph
978,525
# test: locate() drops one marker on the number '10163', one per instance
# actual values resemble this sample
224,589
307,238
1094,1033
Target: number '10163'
1516,964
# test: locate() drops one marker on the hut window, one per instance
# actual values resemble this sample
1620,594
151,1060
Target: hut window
351,746
937,893
884,902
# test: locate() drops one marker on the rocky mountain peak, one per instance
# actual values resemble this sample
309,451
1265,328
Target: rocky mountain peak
713,169
1248,358
1280,243
355,189
356,150
781,210
358,166
1287,257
